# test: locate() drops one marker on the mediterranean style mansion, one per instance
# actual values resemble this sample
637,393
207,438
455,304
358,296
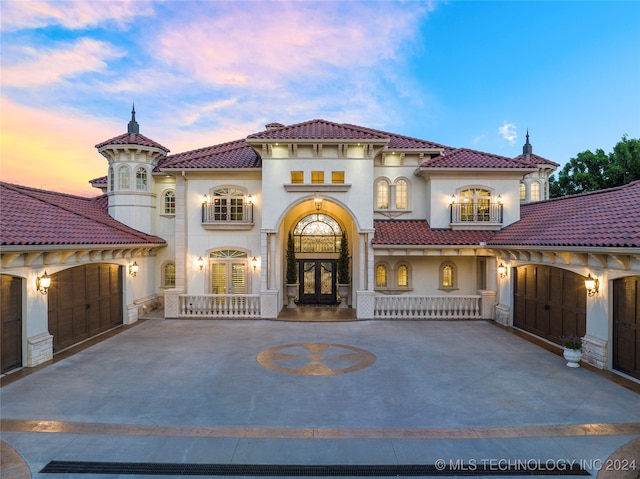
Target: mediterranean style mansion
430,231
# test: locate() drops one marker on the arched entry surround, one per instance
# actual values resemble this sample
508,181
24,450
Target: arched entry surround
274,244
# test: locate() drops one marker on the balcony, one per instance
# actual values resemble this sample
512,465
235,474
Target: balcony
481,215
227,217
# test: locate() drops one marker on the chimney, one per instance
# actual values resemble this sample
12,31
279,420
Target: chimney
273,126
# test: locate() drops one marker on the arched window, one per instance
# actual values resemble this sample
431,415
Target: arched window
523,192
317,233
169,202
229,270
474,204
535,191
402,276
112,179
141,179
169,274
227,204
124,178
381,276
382,194
448,276
402,194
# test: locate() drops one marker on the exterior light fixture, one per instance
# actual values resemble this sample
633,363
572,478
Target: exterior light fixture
317,201
499,199
42,283
502,270
254,263
200,263
133,269
453,200
591,284
250,199
205,199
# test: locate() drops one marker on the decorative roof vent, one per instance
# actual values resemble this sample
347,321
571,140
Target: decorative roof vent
273,126
133,124
527,148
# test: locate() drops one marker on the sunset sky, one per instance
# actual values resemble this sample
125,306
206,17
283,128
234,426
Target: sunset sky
465,74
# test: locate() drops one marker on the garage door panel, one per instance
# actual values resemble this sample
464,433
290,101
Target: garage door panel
81,303
10,322
555,302
626,325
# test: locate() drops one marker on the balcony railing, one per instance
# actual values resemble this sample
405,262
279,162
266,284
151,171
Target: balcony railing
219,306
476,213
223,215
428,307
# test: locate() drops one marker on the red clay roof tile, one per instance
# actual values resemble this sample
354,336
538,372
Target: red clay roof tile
30,216
418,232
466,158
233,154
132,139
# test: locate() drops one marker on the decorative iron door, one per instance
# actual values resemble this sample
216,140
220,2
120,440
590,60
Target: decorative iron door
318,281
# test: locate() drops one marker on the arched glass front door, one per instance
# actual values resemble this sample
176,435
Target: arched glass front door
317,239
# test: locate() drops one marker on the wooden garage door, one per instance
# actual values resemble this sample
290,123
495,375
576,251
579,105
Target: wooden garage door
10,322
84,301
549,302
626,325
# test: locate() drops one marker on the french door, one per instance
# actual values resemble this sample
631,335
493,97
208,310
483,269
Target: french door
318,281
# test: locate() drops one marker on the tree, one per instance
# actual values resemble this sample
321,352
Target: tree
590,171
343,261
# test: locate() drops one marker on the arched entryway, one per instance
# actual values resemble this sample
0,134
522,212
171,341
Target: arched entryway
317,239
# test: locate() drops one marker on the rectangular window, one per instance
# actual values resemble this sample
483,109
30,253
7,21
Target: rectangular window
337,177
317,177
297,177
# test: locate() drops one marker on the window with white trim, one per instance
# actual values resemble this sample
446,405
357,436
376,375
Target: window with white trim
381,276
124,178
382,194
448,276
228,272
141,178
402,194
169,202
169,274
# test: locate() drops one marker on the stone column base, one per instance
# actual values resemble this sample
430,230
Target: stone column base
594,351
39,349
503,315
269,304
365,304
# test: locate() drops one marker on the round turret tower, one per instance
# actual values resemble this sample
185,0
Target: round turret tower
132,158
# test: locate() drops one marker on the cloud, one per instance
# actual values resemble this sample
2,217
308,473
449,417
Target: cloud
76,14
272,43
508,132
46,66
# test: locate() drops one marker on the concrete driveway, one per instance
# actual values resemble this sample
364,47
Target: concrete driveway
252,394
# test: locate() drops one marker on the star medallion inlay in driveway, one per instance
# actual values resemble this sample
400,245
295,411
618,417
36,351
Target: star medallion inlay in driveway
315,359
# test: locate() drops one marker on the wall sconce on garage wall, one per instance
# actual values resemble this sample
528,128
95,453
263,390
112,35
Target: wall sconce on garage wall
592,285
133,269
200,263
43,283
502,270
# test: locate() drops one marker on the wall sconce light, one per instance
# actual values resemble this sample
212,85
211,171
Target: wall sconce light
42,283
200,263
453,200
133,269
250,199
205,199
502,270
592,285
254,263
499,199
317,201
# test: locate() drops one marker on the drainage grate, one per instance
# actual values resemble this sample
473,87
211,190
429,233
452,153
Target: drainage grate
292,470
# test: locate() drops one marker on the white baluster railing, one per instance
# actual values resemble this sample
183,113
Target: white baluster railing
219,306
427,307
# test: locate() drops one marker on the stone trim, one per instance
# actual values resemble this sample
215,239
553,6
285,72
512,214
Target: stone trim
39,349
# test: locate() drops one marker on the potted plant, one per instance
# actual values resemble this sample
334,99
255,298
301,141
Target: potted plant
572,350
343,271
292,273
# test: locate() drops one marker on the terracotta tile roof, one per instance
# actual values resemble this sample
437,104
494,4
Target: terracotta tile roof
418,232
318,130
466,158
405,142
132,139
234,154
605,218
29,216
99,181
536,160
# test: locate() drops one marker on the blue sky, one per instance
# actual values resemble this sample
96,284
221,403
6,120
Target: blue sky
465,74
